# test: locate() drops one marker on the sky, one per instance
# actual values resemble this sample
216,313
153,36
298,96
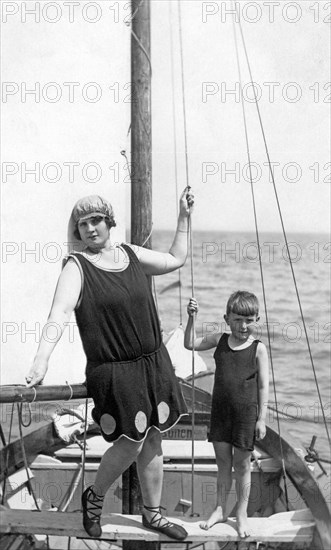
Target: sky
65,118
288,45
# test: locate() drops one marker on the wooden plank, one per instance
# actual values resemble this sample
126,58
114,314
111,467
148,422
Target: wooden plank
295,526
11,456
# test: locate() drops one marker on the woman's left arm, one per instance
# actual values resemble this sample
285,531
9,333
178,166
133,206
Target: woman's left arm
263,389
158,263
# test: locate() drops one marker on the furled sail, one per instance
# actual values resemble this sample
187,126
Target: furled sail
182,358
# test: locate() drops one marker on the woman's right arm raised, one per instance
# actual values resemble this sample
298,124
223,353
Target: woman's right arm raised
65,299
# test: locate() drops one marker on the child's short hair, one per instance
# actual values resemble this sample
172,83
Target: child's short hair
242,302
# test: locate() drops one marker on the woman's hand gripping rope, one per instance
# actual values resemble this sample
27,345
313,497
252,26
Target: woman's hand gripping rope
186,202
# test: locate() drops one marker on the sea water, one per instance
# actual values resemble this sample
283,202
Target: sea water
226,262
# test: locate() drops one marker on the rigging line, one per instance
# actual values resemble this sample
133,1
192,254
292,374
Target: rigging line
175,147
26,466
7,456
190,236
284,232
2,436
28,423
148,237
123,153
183,88
156,301
297,418
128,22
143,49
260,263
83,456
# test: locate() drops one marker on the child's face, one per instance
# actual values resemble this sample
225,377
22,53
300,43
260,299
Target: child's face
242,326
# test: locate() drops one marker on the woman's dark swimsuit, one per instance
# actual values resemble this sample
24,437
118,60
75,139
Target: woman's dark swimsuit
129,373
235,395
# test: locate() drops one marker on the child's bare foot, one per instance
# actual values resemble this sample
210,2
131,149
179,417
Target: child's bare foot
216,516
242,525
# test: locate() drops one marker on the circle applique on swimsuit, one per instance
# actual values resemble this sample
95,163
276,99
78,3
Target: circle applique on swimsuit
107,423
140,421
163,412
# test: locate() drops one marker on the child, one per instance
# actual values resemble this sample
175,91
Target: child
239,402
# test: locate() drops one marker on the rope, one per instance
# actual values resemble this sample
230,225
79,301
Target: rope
148,237
71,391
128,21
260,266
84,447
294,417
155,299
183,90
141,46
2,436
73,488
284,233
190,232
123,153
26,466
28,423
175,149
190,236
7,456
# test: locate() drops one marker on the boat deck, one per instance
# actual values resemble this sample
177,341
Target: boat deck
174,451
295,526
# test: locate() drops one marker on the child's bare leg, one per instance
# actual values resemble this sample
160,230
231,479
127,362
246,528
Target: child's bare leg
242,468
223,453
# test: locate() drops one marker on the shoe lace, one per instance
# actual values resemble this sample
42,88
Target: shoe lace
157,512
95,505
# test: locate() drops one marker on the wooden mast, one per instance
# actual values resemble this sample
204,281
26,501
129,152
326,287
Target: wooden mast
141,125
141,191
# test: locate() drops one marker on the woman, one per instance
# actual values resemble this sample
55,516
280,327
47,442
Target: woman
129,373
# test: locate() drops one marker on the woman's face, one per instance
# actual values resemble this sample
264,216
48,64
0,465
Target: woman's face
93,231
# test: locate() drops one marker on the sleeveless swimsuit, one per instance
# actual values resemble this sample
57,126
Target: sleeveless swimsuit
129,373
235,395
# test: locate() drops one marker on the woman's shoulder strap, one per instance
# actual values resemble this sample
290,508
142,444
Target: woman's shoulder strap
129,249
75,257
71,256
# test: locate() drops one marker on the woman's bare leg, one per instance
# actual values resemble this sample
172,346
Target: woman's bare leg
150,471
242,468
114,462
223,454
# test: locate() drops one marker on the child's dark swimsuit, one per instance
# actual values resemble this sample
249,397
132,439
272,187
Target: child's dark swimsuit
235,395
129,373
